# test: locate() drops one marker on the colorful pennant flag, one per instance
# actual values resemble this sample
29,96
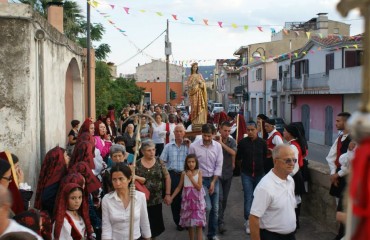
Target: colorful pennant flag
191,19
308,34
246,27
296,55
205,21
159,14
356,46
174,16
285,31
220,24
260,28
126,9
234,25
143,11
111,5
273,30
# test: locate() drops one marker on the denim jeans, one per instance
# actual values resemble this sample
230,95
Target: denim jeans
225,185
211,206
249,184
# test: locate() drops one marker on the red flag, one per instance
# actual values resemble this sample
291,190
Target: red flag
220,24
260,28
174,16
126,9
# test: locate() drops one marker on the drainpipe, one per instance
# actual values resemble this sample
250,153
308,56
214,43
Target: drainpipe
41,99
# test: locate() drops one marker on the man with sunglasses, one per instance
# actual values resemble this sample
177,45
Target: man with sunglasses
272,215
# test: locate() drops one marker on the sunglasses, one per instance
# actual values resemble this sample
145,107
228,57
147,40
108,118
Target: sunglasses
289,160
9,179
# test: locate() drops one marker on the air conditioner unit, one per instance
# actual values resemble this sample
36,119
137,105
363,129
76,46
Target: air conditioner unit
291,99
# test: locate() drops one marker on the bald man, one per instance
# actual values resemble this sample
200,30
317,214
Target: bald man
9,225
272,214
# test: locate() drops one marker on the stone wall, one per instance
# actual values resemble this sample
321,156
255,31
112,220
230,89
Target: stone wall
318,203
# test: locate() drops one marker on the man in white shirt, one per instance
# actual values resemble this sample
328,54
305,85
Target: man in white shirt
339,147
9,225
272,214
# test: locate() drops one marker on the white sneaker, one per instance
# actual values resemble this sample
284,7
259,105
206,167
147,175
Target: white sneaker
247,229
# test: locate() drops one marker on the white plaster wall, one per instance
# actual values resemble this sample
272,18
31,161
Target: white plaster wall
156,68
20,105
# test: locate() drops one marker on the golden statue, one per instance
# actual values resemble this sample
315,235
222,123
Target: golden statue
197,91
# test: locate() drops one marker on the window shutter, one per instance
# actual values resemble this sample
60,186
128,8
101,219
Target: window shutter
327,66
350,58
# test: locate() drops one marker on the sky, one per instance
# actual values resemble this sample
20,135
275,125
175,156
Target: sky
193,40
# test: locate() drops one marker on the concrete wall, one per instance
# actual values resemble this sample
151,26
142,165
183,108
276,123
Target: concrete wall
33,86
157,69
346,80
317,202
351,102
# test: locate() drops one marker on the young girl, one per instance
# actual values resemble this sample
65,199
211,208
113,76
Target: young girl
193,205
72,215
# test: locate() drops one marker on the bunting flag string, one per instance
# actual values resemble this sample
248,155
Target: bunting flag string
206,22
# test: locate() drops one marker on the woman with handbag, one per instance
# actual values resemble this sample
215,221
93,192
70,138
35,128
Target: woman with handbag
157,180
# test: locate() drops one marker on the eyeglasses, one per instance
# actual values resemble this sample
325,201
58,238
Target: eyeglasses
8,178
289,160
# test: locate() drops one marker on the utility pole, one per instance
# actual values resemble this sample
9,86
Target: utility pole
167,52
88,59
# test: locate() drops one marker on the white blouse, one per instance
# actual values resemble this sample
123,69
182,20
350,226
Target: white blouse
116,218
159,133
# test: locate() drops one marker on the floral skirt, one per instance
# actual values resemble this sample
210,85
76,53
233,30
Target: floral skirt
193,208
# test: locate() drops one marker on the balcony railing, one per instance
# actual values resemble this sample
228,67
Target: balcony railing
318,81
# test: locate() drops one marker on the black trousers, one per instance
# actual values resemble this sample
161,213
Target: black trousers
267,235
176,203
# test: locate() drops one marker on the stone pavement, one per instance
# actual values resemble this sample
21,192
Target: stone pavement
310,230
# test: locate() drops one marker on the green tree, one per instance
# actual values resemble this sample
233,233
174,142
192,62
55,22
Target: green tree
117,93
74,25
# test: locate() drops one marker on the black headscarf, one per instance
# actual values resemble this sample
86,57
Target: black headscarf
293,129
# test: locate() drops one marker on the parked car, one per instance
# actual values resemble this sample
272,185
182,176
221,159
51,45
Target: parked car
216,105
233,110
279,124
216,110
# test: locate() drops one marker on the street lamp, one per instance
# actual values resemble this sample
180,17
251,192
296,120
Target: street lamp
257,55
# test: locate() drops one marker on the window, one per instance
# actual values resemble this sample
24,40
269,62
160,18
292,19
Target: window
353,58
280,73
301,67
336,31
259,74
329,62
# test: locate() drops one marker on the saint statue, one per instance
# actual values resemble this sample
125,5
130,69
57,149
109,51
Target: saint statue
198,97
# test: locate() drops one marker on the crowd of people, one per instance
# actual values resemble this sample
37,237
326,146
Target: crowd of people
83,191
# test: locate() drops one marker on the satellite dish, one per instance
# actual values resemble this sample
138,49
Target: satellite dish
39,34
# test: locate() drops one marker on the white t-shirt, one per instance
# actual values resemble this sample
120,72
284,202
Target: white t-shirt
16,227
66,230
274,203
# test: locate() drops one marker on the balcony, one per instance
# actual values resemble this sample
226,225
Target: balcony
345,80
307,84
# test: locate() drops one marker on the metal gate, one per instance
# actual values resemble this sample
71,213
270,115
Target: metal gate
328,125
305,118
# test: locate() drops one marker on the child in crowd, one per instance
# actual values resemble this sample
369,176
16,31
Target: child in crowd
193,205
72,215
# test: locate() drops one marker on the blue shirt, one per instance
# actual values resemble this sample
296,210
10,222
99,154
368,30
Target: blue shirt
174,156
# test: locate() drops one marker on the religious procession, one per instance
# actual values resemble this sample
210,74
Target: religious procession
269,144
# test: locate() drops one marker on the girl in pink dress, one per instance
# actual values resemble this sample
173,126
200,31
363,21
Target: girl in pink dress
193,205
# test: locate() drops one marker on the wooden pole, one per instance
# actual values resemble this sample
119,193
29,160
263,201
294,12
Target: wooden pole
359,123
